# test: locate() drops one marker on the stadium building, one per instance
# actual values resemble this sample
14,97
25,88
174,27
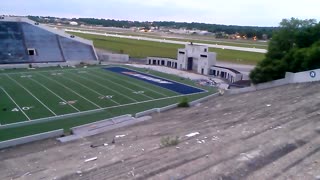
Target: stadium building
23,41
196,58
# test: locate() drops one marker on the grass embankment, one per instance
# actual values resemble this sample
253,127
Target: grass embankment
142,49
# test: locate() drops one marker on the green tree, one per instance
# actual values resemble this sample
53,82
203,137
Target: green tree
294,47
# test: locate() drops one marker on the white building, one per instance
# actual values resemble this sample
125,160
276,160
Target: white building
197,58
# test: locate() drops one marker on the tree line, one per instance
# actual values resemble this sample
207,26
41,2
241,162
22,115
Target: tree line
294,47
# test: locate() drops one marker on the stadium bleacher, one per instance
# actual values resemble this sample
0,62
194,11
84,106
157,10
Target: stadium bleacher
25,42
12,46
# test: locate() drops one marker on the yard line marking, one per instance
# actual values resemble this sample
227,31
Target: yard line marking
120,85
129,68
70,90
127,81
107,88
89,89
55,94
15,103
31,94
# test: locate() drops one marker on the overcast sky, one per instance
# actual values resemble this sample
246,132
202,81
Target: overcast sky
230,12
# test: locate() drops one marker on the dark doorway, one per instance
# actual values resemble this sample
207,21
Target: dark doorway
202,71
31,52
222,74
190,63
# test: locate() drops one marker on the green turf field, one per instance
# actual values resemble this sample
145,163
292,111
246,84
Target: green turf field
87,94
142,49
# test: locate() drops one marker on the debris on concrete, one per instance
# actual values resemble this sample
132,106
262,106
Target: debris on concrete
268,105
215,138
278,127
91,159
79,172
192,134
120,136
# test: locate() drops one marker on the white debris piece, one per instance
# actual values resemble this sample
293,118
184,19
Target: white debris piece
91,159
120,136
215,138
79,172
278,127
105,144
192,134
268,105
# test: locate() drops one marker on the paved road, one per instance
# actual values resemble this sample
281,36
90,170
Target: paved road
257,50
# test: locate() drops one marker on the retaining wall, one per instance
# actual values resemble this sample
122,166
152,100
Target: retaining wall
301,77
32,138
167,108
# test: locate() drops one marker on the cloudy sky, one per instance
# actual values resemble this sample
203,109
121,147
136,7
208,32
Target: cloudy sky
230,12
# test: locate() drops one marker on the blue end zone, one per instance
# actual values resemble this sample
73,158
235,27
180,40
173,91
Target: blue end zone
165,83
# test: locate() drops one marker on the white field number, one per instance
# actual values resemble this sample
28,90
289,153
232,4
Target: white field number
26,76
138,92
106,97
56,74
67,103
23,108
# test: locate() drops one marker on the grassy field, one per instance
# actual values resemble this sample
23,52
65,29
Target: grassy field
142,49
193,38
35,95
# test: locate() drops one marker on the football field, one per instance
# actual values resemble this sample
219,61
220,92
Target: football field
37,95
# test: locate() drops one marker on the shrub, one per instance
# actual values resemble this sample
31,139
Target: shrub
184,103
168,141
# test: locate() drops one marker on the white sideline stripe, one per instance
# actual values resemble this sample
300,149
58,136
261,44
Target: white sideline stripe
119,85
32,95
93,110
70,90
54,94
108,88
89,88
15,103
127,81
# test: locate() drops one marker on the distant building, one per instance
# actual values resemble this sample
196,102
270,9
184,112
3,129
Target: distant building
198,59
73,23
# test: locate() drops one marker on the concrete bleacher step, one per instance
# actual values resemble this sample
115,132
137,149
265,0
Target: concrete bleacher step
102,126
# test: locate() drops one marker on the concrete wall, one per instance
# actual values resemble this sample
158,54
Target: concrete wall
301,77
167,108
113,57
306,76
32,138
